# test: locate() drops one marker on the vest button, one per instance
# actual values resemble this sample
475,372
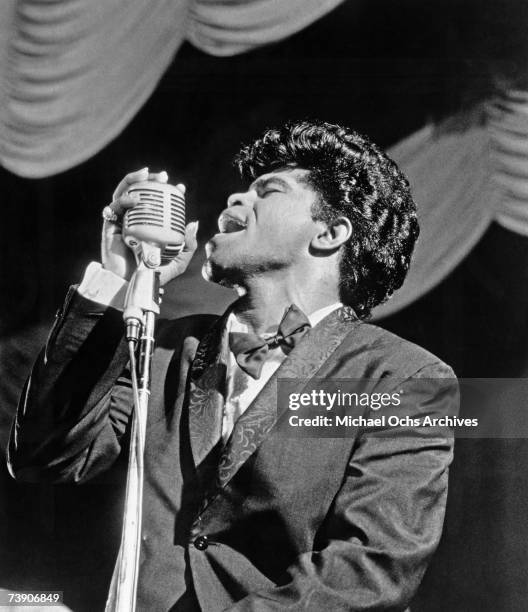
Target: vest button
201,542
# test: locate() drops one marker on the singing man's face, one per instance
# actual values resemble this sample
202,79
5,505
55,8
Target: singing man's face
269,227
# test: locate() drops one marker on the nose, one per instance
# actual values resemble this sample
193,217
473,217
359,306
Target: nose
240,199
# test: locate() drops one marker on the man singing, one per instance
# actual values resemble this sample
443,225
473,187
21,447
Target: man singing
236,515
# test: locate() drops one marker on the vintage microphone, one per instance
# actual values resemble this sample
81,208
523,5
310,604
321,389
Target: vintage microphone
155,230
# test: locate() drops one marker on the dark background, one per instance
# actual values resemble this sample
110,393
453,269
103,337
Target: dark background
385,68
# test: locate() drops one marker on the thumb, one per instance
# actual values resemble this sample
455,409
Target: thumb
191,243
179,264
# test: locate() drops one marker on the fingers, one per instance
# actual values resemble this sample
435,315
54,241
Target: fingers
191,243
137,177
180,263
159,177
121,204
122,200
130,179
113,213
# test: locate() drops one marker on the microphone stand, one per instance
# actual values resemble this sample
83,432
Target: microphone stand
141,307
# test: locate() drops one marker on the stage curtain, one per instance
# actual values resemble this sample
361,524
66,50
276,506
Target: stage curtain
228,27
74,73
464,173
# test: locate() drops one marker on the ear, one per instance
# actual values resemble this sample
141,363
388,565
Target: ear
334,234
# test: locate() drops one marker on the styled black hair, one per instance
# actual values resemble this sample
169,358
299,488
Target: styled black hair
355,179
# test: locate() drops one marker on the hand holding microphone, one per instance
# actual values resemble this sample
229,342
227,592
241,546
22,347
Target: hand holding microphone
119,258
145,241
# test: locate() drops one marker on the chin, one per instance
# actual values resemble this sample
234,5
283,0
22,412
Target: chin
231,268
214,273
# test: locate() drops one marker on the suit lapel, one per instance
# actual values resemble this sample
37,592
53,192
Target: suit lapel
250,430
207,395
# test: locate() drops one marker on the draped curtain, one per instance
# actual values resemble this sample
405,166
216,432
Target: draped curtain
463,177
73,74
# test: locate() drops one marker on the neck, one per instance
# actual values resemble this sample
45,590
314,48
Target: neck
266,297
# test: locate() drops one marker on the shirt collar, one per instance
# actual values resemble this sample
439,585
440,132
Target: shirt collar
234,325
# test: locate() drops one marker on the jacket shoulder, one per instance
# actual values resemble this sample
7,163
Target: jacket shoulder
398,356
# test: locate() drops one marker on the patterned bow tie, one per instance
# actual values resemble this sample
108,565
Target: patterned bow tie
251,350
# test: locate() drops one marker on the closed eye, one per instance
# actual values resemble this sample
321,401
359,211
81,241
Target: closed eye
267,192
267,186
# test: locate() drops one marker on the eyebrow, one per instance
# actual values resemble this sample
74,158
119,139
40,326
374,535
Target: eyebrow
262,183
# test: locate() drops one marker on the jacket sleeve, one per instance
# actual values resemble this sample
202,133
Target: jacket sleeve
386,519
75,406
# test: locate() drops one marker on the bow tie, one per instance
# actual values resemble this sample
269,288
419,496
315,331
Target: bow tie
251,350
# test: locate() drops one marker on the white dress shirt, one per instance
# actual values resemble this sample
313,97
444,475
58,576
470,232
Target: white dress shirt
105,287
242,388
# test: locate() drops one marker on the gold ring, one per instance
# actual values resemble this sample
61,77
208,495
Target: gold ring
109,214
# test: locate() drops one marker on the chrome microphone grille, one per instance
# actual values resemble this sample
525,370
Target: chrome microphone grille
157,218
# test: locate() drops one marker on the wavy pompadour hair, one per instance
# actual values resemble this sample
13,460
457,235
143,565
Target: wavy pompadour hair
355,179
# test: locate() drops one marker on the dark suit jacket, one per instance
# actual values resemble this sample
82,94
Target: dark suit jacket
290,524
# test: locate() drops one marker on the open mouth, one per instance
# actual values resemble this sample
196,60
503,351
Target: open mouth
228,224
